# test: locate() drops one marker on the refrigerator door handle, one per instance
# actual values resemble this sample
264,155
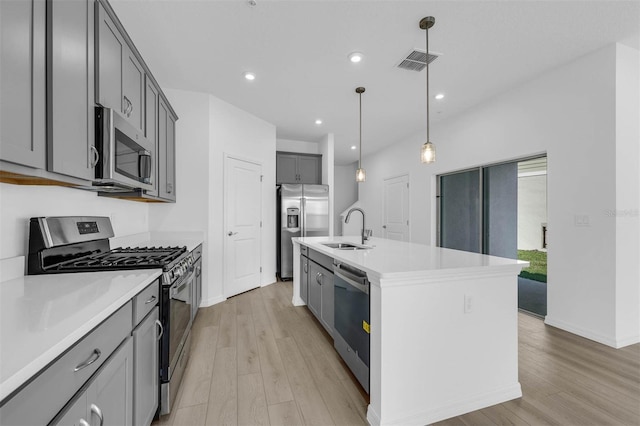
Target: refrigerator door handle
303,216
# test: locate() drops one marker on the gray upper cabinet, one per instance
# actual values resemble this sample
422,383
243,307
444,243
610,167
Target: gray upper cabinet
166,152
133,88
298,168
22,82
151,126
120,79
70,86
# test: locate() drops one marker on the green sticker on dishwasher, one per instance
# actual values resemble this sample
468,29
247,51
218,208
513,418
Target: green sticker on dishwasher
366,327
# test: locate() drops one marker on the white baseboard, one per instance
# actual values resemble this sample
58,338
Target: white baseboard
451,409
212,301
587,334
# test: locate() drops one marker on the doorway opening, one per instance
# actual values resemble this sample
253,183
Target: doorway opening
500,210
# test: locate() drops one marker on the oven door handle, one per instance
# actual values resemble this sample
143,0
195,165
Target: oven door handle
180,285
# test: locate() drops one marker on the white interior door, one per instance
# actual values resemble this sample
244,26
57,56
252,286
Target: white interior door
396,208
243,223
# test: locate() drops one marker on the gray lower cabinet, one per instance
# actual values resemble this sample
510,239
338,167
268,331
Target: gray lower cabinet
304,278
22,82
166,152
298,168
107,397
320,295
146,368
70,88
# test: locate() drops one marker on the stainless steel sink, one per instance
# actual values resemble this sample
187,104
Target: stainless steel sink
345,246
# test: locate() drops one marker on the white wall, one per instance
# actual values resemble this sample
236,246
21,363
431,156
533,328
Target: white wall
626,217
532,211
209,128
18,203
235,132
569,113
345,192
288,145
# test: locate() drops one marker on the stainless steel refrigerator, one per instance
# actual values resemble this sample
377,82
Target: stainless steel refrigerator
303,211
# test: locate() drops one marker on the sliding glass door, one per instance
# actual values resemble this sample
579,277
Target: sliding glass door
460,211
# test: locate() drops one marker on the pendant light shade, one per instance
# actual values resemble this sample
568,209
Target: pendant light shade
428,150
361,175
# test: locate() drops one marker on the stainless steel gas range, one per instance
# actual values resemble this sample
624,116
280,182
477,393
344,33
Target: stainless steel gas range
81,244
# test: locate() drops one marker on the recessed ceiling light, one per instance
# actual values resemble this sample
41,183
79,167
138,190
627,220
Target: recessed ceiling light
318,121
249,76
439,96
355,57
353,147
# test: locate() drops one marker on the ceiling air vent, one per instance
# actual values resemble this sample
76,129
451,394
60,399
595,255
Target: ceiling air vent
415,60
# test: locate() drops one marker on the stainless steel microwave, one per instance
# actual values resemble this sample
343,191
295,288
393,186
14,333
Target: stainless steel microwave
125,157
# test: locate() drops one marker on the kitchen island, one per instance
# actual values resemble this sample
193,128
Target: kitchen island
443,328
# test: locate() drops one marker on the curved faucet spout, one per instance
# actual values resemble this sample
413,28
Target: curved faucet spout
357,209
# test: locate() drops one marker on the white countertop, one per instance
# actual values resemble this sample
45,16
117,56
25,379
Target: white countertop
403,260
41,316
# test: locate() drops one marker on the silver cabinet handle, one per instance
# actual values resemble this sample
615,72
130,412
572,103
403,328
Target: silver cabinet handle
151,300
384,226
159,324
318,275
98,412
231,233
93,358
95,156
129,108
83,422
169,188
306,268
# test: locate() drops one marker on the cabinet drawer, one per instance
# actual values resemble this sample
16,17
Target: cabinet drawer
40,400
304,250
145,301
321,259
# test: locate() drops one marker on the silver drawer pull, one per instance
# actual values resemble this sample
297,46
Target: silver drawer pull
151,300
98,412
159,324
83,422
93,358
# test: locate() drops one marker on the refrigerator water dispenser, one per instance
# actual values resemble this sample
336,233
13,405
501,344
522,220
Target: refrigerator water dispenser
293,218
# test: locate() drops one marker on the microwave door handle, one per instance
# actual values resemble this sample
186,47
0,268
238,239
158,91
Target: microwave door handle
144,165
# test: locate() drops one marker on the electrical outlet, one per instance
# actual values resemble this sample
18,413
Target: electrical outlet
468,303
581,220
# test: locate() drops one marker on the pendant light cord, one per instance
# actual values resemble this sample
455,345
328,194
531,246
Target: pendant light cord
426,61
360,158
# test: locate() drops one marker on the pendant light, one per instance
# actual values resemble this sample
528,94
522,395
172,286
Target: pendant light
428,151
361,175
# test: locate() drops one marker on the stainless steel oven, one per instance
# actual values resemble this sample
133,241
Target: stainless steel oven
177,300
351,319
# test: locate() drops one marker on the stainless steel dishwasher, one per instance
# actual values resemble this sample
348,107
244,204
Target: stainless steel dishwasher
351,320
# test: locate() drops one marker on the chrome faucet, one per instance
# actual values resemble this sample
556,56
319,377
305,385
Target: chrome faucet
366,233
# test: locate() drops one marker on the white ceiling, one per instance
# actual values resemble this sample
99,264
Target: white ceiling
298,50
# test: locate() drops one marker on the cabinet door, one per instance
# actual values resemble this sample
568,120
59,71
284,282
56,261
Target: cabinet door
133,88
146,369
286,168
110,396
111,49
314,301
22,82
309,169
77,414
70,111
166,152
327,308
304,277
151,128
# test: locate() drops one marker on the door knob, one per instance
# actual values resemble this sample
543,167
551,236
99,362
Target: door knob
231,233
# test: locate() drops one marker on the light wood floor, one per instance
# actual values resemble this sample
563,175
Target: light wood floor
258,360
